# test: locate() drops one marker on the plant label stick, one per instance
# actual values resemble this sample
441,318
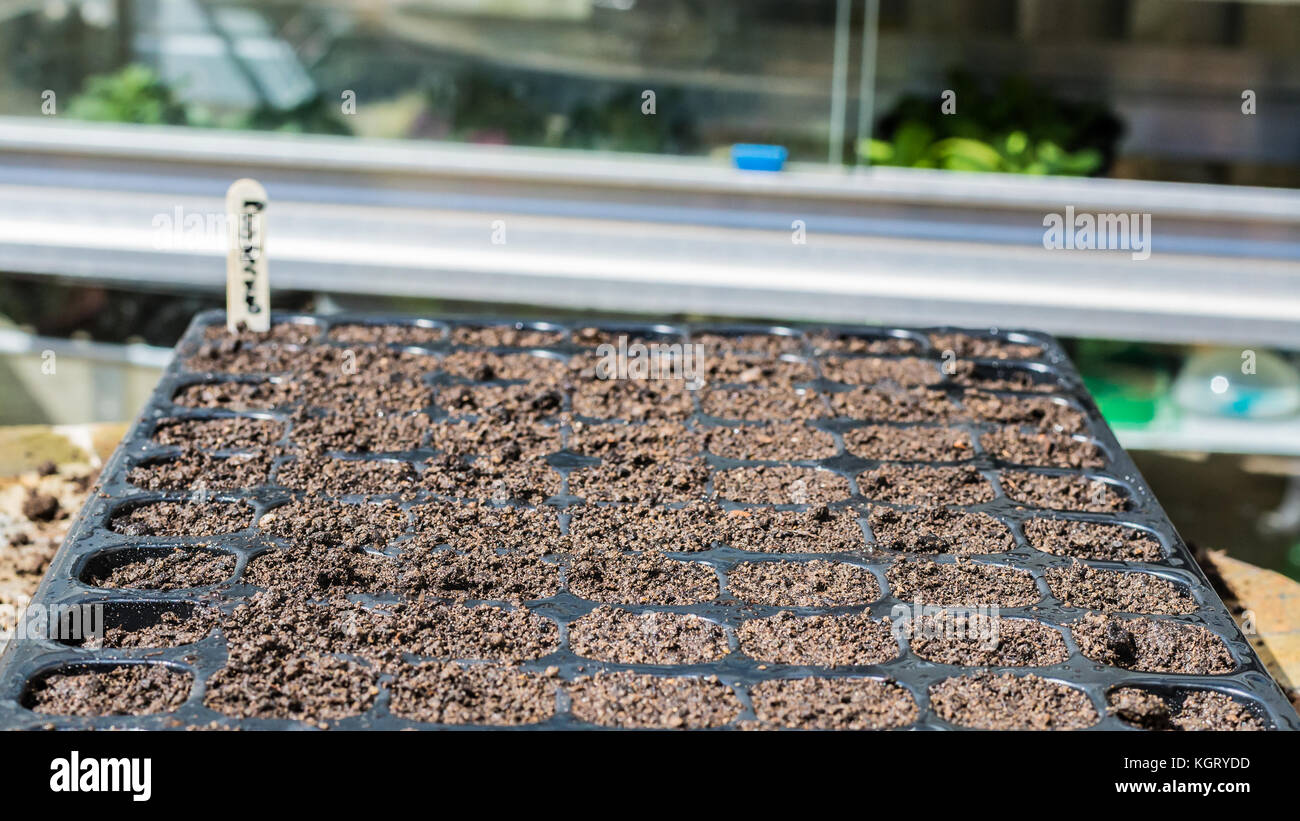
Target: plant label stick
248,287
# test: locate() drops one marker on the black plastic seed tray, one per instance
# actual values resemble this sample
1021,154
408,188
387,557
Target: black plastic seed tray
91,543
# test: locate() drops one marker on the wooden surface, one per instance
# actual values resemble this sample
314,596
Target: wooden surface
1270,615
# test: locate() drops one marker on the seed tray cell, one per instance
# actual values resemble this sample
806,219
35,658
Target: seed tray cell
453,524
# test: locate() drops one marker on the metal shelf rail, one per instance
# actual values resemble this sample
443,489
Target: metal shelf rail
111,203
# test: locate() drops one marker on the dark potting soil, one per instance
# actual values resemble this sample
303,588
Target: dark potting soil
961,639
346,433
1151,645
631,700
479,526
238,396
779,441
933,529
780,485
505,336
832,704
324,523
196,470
477,574
1042,448
909,444
481,366
1116,591
866,370
174,570
170,630
646,578
1198,710
649,400
128,689
497,441
757,371
1070,492
525,401
769,345
1092,540
974,377
482,478
1010,702
857,344
622,637
1039,411
816,530
891,404
918,484
656,462
182,519
238,433
270,678
289,333
643,526
815,583
332,570
754,405
821,640
449,693
965,346
962,583
317,475
386,334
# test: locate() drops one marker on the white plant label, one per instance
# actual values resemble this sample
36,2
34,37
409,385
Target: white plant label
248,286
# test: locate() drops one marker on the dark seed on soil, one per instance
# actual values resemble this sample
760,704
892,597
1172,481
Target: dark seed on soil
1009,702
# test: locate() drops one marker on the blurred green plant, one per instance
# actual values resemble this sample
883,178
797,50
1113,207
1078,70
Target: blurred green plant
134,94
1018,129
